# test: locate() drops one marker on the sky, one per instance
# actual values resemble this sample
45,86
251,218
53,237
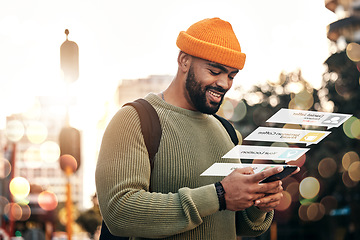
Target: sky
134,39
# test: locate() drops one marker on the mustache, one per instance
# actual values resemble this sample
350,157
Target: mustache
217,89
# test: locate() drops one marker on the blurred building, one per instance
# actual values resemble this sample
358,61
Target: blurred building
131,89
36,153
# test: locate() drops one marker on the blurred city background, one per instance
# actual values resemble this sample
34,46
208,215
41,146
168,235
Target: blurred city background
59,89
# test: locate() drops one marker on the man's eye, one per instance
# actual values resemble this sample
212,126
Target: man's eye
214,73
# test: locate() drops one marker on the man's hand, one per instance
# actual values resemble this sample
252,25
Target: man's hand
243,189
272,198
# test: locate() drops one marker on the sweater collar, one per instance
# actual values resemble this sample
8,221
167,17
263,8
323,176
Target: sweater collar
158,102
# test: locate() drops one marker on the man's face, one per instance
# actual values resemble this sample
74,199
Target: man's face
206,84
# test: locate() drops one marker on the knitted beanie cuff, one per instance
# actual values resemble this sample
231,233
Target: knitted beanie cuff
210,51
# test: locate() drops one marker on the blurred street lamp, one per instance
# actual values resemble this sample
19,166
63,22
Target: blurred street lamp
69,165
69,59
69,63
69,142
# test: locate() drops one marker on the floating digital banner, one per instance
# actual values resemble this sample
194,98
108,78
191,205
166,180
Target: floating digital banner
266,153
293,116
224,169
268,134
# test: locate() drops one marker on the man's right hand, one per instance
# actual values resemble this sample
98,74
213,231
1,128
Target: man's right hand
242,187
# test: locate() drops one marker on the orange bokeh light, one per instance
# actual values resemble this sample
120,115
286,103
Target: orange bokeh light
47,200
13,211
68,162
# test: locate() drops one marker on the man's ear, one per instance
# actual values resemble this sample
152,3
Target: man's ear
184,61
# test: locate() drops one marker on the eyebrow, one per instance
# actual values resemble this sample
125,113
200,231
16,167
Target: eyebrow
221,67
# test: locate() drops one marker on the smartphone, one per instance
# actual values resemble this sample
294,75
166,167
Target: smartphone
286,172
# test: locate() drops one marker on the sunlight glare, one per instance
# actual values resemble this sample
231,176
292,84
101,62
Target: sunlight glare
49,151
36,132
19,187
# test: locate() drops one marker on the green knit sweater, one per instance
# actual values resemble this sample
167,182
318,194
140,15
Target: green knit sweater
182,205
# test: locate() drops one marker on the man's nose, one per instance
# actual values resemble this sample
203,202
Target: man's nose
224,81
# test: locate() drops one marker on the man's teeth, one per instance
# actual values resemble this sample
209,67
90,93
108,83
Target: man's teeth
215,94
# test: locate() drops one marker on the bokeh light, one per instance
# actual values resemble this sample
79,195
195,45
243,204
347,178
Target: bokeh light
68,163
303,100
3,202
19,187
253,98
13,211
315,212
14,130
354,171
302,212
5,167
353,51
47,200
327,106
32,156
25,212
309,187
49,151
342,89
327,167
294,87
285,201
348,182
351,127
274,100
355,129
36,132
227,109
62,215
293,190
349,158
239,111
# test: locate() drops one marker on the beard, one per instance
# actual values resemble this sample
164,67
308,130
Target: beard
197,94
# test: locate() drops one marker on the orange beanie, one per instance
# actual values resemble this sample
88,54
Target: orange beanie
214,40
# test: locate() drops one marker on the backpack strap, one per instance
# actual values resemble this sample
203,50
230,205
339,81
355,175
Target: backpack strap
105,234
150,126
229,128
151,130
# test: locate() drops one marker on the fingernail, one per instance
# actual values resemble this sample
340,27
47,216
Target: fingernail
257,202
280,169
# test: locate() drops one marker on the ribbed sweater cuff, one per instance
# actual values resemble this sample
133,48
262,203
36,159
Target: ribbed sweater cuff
206,200
256,215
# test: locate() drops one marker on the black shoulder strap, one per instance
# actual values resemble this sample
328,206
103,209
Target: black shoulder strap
150,126
105,234
151,130
229,128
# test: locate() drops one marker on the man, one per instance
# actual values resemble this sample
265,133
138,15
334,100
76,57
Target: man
183,205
